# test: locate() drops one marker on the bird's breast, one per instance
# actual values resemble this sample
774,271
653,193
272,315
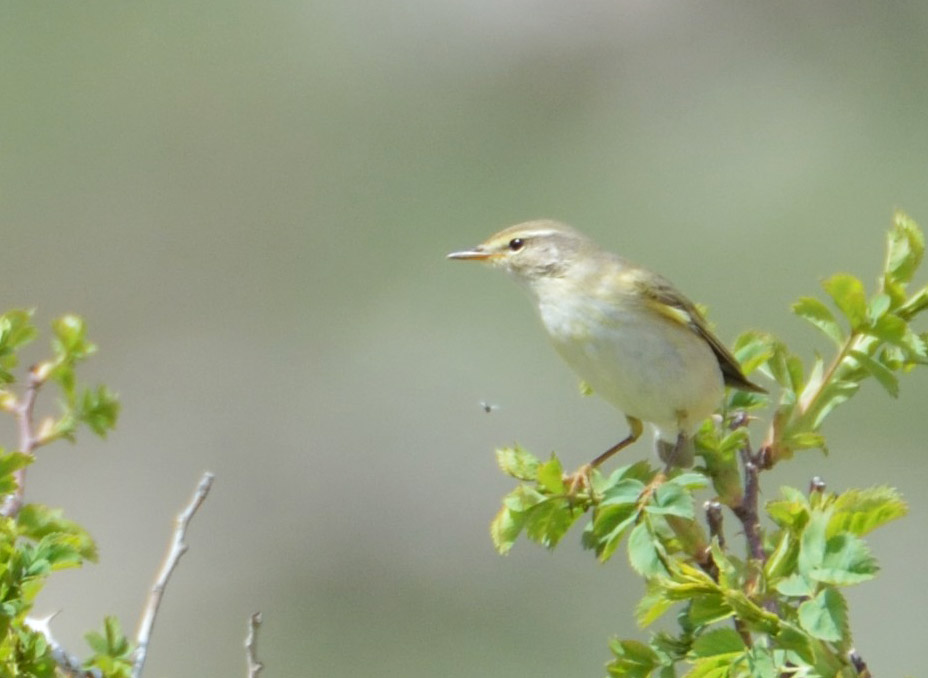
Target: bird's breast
648,366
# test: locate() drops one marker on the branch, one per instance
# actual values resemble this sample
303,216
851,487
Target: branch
67,663
714,518
176,549
747,509
251,646
23,411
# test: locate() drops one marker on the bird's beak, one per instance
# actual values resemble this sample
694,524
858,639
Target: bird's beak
475,254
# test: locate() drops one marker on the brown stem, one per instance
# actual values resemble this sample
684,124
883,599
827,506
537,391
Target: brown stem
714,518
746,511
27,443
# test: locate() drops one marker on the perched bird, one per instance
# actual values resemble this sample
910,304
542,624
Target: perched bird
627,332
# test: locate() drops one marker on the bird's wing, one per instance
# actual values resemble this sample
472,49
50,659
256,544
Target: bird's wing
660,295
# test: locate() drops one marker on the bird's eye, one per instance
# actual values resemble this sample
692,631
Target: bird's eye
516,244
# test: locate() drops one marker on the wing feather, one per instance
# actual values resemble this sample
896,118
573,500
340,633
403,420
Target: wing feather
664,298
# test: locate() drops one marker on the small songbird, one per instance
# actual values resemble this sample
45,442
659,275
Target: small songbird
627,332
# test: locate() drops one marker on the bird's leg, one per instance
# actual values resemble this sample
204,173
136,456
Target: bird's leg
679,454
637,428
581,477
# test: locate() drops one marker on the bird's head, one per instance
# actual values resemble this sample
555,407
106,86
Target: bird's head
532,251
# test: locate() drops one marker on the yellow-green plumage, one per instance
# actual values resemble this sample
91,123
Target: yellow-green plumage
627,332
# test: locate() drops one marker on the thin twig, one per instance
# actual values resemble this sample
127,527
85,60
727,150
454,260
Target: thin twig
176,549
27,443
251,646
747,509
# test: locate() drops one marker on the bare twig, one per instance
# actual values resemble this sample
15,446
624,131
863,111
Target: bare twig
747,509
251,646
27,442
176,549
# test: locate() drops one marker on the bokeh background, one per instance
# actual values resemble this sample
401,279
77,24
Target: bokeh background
250,203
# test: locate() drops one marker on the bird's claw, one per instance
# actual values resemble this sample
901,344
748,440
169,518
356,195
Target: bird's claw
579,480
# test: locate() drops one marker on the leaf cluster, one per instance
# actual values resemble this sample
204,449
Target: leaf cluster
38,540
779,609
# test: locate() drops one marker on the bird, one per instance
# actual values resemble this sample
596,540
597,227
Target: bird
626,331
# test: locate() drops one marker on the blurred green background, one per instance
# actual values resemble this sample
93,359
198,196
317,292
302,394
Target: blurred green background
250,203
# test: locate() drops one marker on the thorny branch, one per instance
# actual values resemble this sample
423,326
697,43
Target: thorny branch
176,549
746,510
68,664
23,411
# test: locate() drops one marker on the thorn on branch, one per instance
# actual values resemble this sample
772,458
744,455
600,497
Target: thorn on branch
176,549
817,484
859,664
68,665
714,519
251,646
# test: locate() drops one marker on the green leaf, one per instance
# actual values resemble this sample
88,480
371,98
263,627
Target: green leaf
782,560
883,375
795,586
632,659
847,561
585,388
753,349
37,522
517,462
792,639
16,330
834,394
643,554
860,511
818,314
652,606
510,521
671,499
690,480
610,525
551,476
719,666
99,410
505,529
849,295
812,543
549,520
878,306
905,245
709,608
825,616
70,343
626,491
792,512
805,440
716,642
